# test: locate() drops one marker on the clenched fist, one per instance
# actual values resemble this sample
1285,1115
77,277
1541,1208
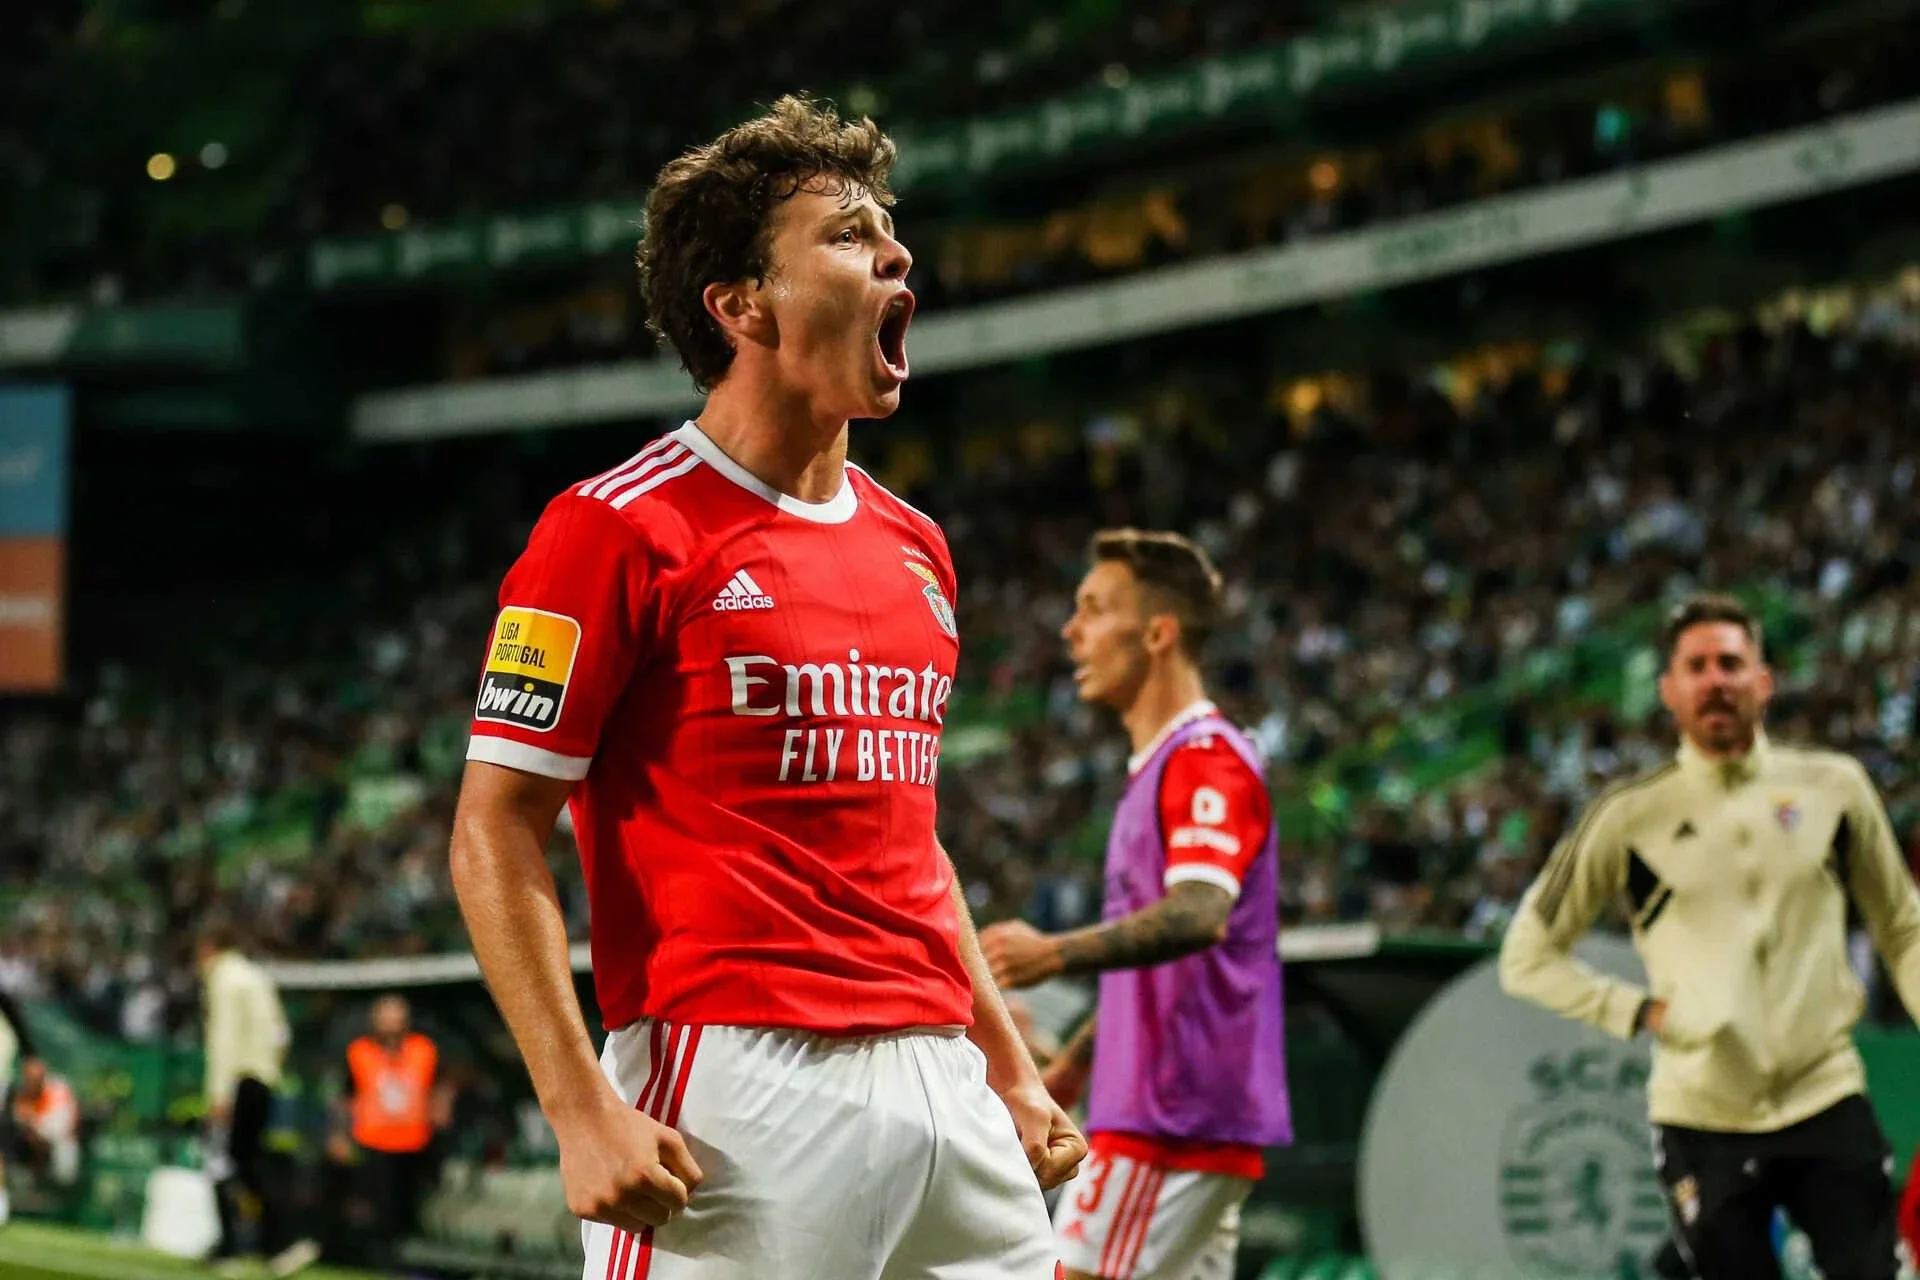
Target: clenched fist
621,1167
1053,1143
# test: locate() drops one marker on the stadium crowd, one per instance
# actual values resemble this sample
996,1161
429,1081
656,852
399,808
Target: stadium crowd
574,130
555,103
1576,131
1398,546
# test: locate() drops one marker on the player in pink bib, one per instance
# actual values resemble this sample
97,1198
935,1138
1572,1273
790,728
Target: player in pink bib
1185,1052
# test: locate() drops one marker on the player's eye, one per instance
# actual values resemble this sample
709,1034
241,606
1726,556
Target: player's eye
847,235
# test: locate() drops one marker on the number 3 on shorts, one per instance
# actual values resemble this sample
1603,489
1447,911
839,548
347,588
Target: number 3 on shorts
1098,1169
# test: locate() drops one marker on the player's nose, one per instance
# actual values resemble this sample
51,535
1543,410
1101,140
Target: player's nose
893,261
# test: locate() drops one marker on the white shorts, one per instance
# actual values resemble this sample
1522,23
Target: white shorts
1124,1219
875,1158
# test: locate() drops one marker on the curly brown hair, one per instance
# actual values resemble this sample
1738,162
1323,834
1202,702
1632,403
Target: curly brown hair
710,212
1175,573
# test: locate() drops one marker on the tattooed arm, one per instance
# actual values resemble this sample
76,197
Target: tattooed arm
1078,1053
1067,1075
1192,917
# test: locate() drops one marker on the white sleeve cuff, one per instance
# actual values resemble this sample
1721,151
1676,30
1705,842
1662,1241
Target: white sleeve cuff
1205,873
518,755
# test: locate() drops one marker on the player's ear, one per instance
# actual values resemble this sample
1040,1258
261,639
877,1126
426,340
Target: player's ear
739,307
1162,634
1765,684
1669,696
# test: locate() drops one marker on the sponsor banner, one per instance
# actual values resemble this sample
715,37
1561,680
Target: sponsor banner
484,244
209,336
33,525
1353,52
1794,165
32,608
1347,54
33,461
37,336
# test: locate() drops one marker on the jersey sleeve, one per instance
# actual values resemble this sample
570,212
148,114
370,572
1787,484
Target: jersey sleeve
1881,884
1586,869
1214,814
573,624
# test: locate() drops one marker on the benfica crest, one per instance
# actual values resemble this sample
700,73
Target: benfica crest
936,598
1787,814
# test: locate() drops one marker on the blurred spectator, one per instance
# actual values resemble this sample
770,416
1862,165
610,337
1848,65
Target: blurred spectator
45,1124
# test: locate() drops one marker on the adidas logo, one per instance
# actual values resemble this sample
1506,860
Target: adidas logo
742,592
1686,830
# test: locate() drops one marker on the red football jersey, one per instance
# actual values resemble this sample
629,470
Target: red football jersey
1214,814
750,689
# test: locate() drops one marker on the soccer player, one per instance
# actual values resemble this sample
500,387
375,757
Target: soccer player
1738,863
1184,1050
732,654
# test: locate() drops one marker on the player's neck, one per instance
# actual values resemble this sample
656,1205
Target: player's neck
1164,695
776,440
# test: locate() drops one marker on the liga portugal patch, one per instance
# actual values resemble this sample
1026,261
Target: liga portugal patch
529,665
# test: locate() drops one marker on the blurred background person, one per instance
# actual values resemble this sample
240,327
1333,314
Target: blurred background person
46,1125
246,1046
395,1106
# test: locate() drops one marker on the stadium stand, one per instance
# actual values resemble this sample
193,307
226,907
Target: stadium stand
1388,537
1243,201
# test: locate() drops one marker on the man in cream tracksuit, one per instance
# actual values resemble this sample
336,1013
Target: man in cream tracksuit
1737,864
246,1045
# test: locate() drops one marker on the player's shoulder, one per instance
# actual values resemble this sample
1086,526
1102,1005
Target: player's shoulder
888,502
1818,766
1217,749
1627,799
656,492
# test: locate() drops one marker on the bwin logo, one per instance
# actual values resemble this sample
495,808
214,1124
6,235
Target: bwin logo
742,592
522,704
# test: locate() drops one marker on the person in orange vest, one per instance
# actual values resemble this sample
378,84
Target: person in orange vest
46,1124
394,1108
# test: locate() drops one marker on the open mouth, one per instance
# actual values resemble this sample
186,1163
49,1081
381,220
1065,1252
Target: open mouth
891,339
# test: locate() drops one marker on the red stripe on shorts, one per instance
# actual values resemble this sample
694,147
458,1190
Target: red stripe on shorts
1122,1215
688,1042
1143,1224
622,1242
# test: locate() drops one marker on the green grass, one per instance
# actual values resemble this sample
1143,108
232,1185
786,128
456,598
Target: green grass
34,1251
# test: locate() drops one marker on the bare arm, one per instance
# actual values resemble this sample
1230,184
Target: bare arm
1053,1145
519,931
1192,917
619,1166
1067,1075
1079,1051
1008,1062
